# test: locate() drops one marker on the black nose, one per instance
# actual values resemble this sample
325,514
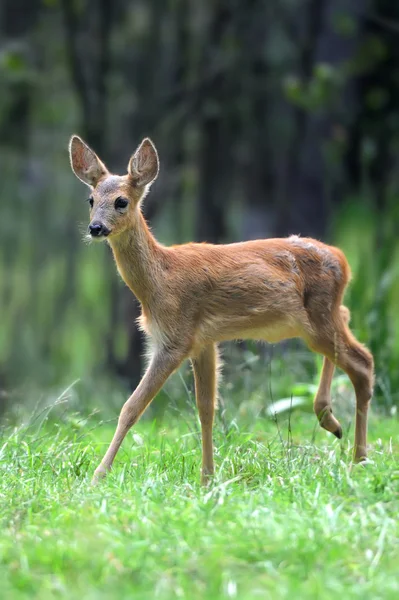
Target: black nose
97,229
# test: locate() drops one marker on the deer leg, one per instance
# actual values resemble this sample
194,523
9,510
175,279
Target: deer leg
322,402
342,348
162,365
205,376
358,363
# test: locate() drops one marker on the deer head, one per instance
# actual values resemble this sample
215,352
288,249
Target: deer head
114,200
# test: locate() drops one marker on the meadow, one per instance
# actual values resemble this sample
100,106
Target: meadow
287,515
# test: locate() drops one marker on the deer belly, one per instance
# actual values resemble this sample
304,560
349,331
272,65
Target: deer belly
272,332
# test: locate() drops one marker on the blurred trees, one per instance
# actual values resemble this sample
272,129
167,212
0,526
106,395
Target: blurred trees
268,115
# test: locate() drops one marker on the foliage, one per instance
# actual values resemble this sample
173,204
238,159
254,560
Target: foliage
274,118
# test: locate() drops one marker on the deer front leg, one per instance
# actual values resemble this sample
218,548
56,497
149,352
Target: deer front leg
162,365
204,366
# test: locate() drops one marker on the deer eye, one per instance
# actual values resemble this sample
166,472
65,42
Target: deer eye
91,202
121,203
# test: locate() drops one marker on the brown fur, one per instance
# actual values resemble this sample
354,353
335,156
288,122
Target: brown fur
196,295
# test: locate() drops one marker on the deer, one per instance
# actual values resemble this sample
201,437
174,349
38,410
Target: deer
194,296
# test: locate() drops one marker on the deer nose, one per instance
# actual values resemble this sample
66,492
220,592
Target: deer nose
97,229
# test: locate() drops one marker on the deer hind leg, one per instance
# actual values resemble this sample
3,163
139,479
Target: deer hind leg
341,348
322,402
358,363
205,377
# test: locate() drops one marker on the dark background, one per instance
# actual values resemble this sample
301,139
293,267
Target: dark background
271,117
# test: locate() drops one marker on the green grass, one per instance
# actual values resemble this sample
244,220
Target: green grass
286,517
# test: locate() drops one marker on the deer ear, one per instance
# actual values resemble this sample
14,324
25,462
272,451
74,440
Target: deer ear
143,166
84,162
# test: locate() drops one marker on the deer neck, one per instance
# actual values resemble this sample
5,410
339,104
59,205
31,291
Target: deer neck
139,259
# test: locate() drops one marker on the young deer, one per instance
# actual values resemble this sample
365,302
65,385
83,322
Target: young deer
196,295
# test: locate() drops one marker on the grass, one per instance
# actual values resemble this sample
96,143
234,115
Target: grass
287,516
